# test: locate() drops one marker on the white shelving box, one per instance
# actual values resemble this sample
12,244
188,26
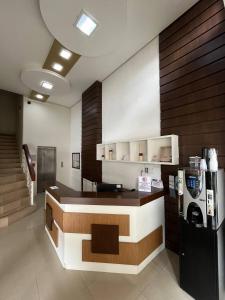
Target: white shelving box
163,150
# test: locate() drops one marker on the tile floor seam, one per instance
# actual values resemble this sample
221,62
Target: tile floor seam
38,293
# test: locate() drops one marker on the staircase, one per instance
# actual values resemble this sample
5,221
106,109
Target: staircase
14,194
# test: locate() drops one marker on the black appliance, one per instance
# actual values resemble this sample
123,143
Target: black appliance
108,187
202,230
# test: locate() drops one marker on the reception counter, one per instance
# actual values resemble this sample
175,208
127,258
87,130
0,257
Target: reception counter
107,232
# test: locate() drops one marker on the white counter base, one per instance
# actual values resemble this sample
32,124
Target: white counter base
143,220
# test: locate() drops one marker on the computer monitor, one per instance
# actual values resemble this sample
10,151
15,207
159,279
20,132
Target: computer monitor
107,187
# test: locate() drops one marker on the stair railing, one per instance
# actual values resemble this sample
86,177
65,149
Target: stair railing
28,169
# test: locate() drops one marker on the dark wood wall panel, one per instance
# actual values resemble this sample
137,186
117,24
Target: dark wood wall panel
91,132
192,87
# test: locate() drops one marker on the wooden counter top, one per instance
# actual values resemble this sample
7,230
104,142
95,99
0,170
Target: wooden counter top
66,195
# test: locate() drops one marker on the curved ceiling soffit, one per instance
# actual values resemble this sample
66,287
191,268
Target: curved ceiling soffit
110,16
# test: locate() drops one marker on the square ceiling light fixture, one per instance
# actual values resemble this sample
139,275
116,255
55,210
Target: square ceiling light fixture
66,54
86,23
57,67
47,85
39,96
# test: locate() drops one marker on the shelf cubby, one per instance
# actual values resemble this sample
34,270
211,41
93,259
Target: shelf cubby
123,151
108,148
137,147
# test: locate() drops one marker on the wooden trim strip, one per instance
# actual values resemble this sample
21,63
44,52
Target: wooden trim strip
185,19
196,22
81,222
129,253
204,39
196,86
71,222
193,56
57,212
54,233
199,63
199,74
203,28
29,162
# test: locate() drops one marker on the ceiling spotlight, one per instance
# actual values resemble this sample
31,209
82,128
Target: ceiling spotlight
86,23
39,96
66,54
47,85
57,67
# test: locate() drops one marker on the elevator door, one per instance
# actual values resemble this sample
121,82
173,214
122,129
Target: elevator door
46,167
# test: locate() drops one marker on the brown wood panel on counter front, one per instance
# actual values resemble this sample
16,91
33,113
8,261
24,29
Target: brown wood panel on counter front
72,222
129,253
192,87
91,132
105,239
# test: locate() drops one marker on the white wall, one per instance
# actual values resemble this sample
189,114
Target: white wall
131,109
75,138
46,124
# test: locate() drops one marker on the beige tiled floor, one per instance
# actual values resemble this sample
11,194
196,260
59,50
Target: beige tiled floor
30,270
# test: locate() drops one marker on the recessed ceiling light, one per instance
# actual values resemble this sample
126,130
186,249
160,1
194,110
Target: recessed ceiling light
65,54
47,85
57,67
86,23
39,96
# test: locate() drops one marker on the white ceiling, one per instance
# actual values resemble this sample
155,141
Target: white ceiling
26,41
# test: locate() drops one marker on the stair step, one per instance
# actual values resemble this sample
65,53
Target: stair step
8,151
7,197
10,165
3,139
5,221
11,178
13,206
10,171
13,186
9,160
9,156
7,137
12,146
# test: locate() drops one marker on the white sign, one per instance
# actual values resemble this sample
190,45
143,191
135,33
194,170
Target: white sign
144,183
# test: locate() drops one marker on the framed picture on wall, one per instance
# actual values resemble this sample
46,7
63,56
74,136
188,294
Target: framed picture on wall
76,160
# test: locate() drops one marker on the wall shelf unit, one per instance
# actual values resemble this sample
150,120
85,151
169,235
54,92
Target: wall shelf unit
161,150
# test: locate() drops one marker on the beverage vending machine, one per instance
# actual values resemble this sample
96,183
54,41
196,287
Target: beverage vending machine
202,229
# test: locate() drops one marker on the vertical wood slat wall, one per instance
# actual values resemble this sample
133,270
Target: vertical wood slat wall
192,87
91,132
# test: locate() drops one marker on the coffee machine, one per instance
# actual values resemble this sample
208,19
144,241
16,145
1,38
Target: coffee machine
202,229
203,197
